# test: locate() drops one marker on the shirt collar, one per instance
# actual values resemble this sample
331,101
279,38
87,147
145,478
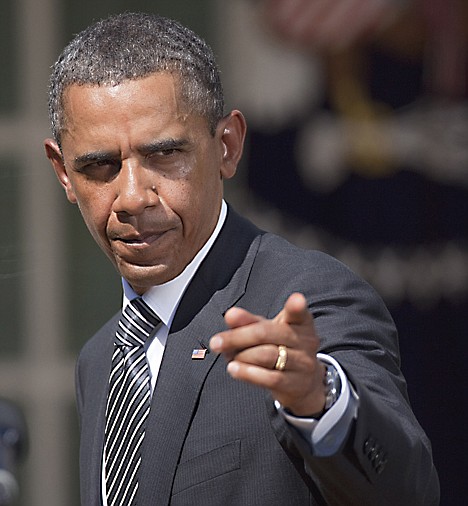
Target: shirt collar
164,299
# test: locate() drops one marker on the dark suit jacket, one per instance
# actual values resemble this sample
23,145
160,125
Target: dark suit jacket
211,440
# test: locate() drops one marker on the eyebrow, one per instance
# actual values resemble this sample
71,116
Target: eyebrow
94,157
144,149
163,145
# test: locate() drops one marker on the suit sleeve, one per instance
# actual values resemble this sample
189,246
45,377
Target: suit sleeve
387,457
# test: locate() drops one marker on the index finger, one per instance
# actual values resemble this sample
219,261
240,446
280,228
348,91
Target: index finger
295,311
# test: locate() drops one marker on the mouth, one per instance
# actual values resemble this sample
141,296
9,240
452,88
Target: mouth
136,240
139,241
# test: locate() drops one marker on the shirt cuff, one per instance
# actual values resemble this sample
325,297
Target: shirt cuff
327,434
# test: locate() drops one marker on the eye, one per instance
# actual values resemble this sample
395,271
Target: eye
166,156
164,153
166,159
100,170
169,152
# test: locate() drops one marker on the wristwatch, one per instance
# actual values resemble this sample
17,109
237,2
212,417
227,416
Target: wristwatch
332,383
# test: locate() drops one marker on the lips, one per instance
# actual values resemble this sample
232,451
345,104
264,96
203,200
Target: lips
142,239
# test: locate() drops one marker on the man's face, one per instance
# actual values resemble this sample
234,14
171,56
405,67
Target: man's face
145,172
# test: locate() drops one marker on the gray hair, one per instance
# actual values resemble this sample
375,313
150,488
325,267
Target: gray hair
132,46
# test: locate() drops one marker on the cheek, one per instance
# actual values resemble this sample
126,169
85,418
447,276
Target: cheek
179,196
197,186
200,207
95,211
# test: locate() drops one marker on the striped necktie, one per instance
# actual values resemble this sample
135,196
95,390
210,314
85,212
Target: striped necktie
128,403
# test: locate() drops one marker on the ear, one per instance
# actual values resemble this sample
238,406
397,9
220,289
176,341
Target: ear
54,154
232,129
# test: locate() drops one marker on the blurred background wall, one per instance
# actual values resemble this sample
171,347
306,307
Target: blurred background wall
357,146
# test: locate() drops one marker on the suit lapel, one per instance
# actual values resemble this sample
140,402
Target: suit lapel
217,269
218,284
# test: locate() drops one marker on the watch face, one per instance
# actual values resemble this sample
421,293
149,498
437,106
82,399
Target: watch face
333,384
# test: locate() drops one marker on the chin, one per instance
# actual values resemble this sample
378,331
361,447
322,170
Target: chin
141,278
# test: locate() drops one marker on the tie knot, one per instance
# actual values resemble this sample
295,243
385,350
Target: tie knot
136,324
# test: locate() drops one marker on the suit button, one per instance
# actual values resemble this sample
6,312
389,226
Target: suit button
381,465
369,447
375,454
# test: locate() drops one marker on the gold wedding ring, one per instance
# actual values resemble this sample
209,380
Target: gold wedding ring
282,358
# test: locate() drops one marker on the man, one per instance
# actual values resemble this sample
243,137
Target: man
273,372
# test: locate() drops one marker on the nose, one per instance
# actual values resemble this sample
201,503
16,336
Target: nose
135,189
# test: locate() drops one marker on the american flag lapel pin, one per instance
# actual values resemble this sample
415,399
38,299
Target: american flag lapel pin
199,353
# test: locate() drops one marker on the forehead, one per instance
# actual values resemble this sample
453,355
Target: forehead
159,90
131,112
152,101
